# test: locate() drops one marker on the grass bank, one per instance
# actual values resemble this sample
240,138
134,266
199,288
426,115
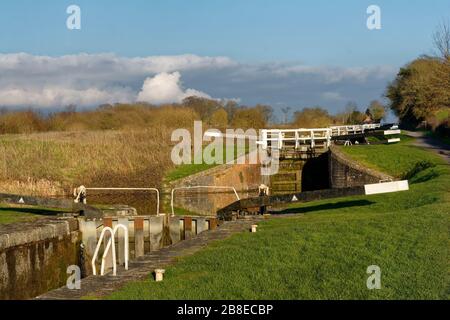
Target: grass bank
12,214
401,160
49,164
185,170
324,251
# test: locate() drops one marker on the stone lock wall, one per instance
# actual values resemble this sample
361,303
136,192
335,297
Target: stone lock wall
244,177
345,172
145,234
34,256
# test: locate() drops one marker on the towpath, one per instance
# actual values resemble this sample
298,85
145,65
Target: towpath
431,143
140,269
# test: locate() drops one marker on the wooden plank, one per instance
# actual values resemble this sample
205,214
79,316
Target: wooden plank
107,222
187,228
138,237
121,239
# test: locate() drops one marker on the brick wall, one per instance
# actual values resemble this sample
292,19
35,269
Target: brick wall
345,172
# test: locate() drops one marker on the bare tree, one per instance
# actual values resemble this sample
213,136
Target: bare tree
441,39
286,111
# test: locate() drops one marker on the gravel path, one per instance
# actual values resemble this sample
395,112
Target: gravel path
431,143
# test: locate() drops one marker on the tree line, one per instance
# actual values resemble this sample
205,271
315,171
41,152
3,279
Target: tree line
420,94
121,116
213,113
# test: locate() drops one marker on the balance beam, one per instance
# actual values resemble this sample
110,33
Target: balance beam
308,196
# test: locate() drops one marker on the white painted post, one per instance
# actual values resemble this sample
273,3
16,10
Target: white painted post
159,273
89,236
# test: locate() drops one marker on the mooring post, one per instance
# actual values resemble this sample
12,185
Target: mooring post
139,237
187,227
121,237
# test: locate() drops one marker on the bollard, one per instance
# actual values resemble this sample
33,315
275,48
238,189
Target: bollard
254,226
159,274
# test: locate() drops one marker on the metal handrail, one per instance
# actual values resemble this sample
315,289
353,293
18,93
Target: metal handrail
110,245
198,187
97,249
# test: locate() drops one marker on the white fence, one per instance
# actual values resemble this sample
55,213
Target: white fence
353,129
295,138
304,139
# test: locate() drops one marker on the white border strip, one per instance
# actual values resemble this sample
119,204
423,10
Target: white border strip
392,132
386,187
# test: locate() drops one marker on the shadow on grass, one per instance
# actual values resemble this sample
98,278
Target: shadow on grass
326,206
424,178
43,212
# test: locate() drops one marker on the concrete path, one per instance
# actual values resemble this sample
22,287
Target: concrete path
140,269
430,143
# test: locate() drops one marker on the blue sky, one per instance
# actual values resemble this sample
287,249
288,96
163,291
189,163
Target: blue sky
320,33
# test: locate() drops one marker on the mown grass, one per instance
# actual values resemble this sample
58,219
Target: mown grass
185,170
324,252
12,214
398,160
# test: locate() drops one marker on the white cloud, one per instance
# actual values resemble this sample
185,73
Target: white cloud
336,74
166,88
332,96
91,79
51,96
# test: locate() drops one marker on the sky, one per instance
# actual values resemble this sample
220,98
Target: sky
284,53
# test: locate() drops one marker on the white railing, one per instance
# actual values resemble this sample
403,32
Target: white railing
353,129
199,187
110,245
304,138
83,190
296,138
